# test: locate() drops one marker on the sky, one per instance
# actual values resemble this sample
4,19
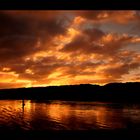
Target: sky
61,47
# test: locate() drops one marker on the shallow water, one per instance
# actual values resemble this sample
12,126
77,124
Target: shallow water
67,115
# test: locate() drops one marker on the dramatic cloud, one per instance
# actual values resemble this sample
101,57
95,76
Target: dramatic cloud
41,48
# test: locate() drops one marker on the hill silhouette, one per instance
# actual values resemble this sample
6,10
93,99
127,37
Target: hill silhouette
112,92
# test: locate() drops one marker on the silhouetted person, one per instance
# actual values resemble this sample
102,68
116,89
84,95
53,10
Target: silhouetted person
23,104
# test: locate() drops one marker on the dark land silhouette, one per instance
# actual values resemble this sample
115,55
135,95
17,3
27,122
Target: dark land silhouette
113,92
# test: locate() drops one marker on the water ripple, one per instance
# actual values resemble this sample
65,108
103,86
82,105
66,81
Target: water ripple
58,115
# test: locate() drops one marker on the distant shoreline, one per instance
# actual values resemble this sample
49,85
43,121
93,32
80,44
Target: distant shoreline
113,92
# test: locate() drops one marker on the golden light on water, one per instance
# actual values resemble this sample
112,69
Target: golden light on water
65,115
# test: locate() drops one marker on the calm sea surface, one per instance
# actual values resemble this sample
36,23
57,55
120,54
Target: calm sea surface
67,115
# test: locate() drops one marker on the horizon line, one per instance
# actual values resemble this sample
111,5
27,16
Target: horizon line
68,85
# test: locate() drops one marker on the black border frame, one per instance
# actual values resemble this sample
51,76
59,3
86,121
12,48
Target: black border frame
69,4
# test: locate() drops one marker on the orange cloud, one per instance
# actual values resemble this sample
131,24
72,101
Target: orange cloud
41,48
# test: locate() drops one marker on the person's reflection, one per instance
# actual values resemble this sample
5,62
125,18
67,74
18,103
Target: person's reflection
23,104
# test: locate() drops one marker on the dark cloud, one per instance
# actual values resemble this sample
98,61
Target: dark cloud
85,41
94,34
103,43
77,44
16,47
20,33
